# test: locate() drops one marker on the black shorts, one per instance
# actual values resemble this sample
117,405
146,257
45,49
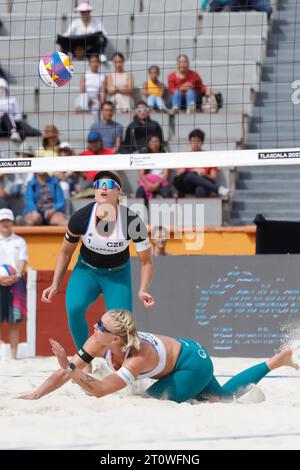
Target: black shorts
6,306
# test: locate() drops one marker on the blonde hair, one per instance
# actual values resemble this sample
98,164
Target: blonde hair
125,327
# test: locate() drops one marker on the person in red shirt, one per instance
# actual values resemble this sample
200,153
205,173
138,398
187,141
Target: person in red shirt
199,182
185,86
94,148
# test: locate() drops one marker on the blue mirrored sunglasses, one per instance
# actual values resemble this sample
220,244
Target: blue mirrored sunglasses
102,327
110,184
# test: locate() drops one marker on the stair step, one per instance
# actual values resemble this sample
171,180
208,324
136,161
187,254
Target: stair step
263,206
241,195
267,184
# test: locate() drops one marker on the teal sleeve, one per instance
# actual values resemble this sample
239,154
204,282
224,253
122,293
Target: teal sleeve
204,4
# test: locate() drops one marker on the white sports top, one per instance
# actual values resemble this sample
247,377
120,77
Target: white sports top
104,244
94,83
114,243
158,346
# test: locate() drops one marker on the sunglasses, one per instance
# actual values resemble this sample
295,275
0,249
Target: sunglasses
110,184
102,327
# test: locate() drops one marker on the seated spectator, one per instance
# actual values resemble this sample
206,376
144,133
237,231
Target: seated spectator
91,87
44,201
110,131
215,6
81,30
257,5
160,238
69,180
119,85
154,183
95,147
6,187
20,180
139,131
185,87
11,123
10,113
50,142
154,90
199,182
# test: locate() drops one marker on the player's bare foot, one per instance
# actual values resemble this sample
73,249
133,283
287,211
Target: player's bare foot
286,358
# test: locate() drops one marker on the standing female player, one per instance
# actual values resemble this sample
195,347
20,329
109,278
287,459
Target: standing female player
103,267
182,367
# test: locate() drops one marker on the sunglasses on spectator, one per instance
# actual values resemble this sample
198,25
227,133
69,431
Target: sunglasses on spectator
142,110
102,327
110,184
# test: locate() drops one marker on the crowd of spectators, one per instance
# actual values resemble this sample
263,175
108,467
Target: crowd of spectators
45,196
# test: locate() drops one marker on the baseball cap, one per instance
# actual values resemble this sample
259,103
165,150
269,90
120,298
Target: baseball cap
93,136
108,174
65,145
84,6
6,214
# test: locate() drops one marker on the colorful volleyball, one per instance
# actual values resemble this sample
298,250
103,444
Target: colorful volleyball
56,69
6,270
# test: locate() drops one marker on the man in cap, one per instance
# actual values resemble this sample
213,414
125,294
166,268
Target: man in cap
88,34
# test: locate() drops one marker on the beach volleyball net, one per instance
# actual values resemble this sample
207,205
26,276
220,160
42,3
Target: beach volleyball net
241,57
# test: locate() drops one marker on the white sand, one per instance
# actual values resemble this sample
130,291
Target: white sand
69,419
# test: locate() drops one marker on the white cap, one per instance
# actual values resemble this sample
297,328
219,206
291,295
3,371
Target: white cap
3,83
85,6
65,145
6,214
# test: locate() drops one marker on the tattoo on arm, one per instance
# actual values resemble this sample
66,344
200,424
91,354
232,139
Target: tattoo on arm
87,381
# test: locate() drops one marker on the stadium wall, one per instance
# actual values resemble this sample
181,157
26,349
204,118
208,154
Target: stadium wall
44,244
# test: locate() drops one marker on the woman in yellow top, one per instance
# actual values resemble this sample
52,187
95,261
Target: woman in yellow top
50,142
153,90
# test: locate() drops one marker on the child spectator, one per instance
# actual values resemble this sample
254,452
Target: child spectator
50,142
160,238
44,201
185,87
154,182
120,85
95,147
153,90
20,180
140,129
13,251
199,182
69,180
92,88
110,131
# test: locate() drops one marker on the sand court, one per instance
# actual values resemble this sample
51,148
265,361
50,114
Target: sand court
70,419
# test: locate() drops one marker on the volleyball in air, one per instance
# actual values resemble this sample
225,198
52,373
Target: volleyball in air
56,69
6,270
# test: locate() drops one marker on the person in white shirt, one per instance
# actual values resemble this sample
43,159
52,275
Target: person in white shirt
92,87
13,253
10,113
86,25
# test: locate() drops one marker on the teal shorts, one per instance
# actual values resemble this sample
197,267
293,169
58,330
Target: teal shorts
191,375
86,284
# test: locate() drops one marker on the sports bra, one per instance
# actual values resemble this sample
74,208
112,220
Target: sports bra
159,347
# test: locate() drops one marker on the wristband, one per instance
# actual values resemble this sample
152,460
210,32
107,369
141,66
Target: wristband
71,367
